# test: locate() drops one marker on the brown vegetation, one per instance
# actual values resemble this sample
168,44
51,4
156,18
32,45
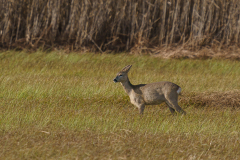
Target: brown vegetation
124,25
214,99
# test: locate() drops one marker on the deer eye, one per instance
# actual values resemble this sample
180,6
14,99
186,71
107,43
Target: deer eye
120,75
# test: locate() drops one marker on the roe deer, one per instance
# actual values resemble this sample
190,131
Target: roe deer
150,94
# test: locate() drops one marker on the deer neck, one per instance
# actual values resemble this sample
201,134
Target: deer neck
128,87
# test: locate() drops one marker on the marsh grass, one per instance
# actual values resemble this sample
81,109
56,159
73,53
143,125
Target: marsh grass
65,106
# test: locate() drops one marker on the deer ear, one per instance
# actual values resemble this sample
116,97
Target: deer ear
127,68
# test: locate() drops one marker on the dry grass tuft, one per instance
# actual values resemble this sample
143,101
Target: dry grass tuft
204,53
213,99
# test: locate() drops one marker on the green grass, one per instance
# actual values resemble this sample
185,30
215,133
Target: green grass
66,106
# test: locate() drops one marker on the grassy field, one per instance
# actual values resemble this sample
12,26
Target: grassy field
66,106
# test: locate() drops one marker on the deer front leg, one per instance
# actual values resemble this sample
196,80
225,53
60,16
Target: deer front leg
137,100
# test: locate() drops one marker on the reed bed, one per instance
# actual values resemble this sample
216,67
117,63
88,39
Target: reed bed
123,25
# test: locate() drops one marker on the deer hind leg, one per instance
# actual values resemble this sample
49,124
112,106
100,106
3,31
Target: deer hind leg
173,102
170,107
141,108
